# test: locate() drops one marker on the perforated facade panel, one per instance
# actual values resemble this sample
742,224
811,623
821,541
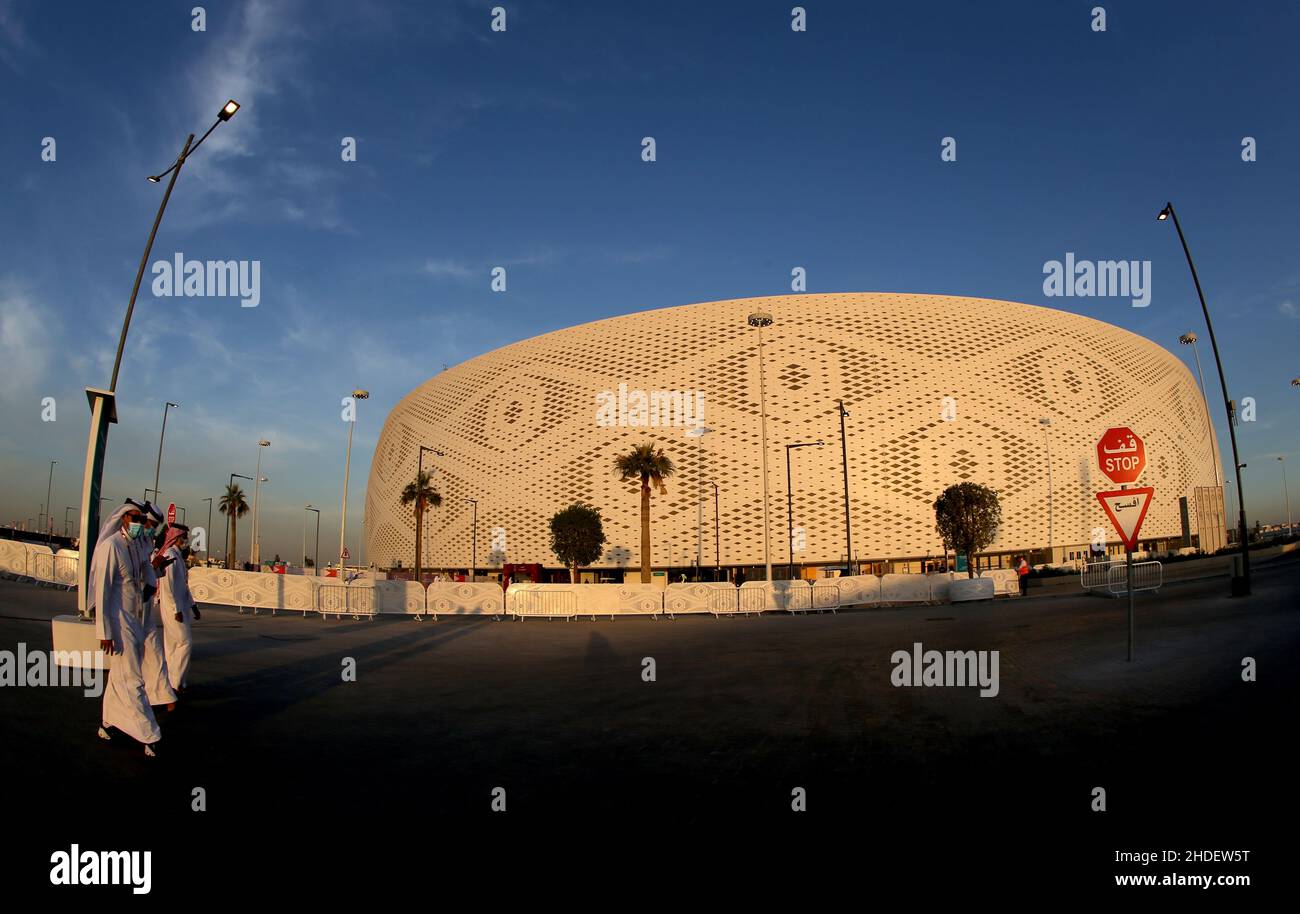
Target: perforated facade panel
521,432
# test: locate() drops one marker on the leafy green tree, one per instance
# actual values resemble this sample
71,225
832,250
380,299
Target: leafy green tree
651,466
967,517
577,537
234,506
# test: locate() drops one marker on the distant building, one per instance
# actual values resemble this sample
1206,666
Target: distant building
940,390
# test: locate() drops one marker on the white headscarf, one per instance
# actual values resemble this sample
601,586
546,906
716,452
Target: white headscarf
111,526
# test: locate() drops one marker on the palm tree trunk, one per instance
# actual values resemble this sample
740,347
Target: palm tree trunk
234,540
573,573
419,546
645,532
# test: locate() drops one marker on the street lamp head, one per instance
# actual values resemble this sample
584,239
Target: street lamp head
172,405
154,179
1295,382
228,110
361,394
760,319
263,443
1166,212
1188,339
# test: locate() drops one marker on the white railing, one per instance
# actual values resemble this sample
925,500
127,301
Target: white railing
1096,575
365,599
1146,576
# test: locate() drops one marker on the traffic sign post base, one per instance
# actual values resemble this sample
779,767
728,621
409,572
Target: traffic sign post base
1128,555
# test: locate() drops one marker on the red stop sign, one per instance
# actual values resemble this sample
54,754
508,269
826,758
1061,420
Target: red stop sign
171,513
1121,455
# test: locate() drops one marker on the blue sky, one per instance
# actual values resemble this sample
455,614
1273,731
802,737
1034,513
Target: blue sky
522,149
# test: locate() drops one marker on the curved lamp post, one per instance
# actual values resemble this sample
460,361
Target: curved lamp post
1241,585
103,403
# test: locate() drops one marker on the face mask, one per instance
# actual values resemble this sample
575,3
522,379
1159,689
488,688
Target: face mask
134,530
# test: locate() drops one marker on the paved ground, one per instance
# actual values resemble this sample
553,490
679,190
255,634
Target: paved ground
295,760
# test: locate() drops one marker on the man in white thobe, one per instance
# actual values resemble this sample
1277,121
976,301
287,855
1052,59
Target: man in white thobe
177,607
153,664
117,588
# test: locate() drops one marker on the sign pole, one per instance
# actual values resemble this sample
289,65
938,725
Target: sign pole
1129,554
1121,455
1128,575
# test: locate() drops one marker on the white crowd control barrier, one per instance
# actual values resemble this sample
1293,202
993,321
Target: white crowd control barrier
1146,576
904,588
1006,581
353,600
550,600
465,599
825,595
367,598
38,563
1097,574
252,590
859,590
717,597
941,586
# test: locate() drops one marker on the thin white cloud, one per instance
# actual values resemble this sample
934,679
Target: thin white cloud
25,334
14,43
449,269
1288,309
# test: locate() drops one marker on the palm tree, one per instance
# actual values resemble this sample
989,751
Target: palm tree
234,506
422,493
652,467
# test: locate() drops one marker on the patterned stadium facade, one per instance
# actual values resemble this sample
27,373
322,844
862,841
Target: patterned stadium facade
939,390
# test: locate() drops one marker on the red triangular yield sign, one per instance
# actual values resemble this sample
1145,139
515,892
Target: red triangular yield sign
1127,508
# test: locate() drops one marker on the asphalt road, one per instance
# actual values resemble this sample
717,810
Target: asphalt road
295,760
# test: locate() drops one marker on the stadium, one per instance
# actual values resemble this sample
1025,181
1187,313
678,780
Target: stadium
938,390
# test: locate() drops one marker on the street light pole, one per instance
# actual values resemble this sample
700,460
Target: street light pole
759,320
473,572
67,521
698,432
1241,587
789,496
157,470
347,468
49,505
844,457
1046,423
1286,494
207,533
717,536
315,562
255,551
